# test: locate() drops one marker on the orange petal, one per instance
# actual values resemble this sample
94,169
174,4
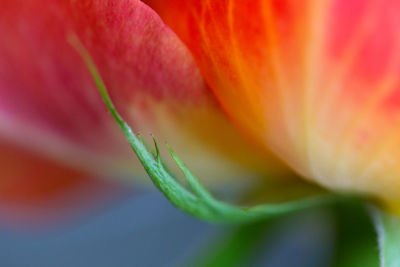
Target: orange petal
316,81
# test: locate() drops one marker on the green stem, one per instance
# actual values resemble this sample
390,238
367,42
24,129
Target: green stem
235,249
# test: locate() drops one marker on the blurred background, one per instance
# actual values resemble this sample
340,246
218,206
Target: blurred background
143,229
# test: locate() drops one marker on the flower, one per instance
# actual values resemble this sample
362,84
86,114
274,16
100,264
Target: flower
55,132
315,81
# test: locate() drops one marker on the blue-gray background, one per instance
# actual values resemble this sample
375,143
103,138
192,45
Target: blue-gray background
145,230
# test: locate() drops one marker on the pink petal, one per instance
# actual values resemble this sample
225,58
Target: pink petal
49,104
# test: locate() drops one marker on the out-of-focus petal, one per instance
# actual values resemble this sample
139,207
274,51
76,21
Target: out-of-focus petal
35,191
317,81
48,101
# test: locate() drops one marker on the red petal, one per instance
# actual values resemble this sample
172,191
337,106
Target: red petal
35,191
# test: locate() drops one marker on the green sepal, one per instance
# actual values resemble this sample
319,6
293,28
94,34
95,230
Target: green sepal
388,230
198,201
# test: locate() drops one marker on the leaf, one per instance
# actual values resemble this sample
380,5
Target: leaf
388,230
198,201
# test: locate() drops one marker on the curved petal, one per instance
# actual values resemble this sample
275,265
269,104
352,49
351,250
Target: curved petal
48,101
317,81
35,191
